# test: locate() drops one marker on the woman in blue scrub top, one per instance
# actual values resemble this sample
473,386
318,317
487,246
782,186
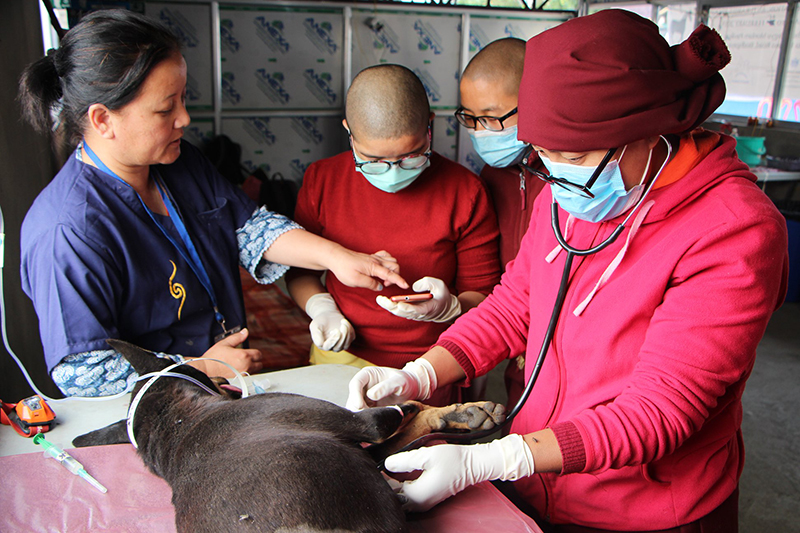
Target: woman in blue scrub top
138,237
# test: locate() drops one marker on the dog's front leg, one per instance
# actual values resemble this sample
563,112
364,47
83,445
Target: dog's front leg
461,416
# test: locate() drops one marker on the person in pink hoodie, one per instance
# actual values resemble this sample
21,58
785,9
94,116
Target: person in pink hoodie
634,423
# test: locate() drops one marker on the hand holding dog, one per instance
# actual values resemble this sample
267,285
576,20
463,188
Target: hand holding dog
450,468
244,360
379,386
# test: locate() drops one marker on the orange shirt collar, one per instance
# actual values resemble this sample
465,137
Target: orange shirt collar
693,148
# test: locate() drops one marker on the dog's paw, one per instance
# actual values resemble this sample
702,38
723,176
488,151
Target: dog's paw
474,416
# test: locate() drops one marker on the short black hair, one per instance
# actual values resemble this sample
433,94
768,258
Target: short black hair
387,102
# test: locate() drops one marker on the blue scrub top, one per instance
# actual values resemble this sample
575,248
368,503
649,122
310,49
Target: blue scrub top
97,267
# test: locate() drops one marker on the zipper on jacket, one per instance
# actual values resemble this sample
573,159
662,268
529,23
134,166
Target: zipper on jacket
522,227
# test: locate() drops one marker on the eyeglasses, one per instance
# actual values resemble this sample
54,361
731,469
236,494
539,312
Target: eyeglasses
381,166
488,122
583,190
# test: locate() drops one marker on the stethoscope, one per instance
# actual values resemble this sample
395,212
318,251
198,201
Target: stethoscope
572,252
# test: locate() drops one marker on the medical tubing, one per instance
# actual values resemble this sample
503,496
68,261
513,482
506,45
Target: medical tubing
467,438
8,346
155,376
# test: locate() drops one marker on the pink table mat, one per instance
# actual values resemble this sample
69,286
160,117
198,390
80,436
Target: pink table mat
39,495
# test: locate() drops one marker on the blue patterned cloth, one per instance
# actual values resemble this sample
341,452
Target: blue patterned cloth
97,373
255,237
106,372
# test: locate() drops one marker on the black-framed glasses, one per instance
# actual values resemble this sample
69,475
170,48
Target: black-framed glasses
488,122
381,166
583,190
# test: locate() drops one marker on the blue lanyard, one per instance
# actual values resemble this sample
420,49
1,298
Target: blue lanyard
188,250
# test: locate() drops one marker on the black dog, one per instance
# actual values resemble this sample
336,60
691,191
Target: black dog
271,462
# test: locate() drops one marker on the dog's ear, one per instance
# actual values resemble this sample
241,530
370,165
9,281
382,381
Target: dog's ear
143,361
116,433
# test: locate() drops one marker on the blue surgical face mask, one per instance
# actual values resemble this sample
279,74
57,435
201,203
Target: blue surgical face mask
611,199
394,179
498,148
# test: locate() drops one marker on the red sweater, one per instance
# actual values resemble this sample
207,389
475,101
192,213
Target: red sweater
442,225
513,191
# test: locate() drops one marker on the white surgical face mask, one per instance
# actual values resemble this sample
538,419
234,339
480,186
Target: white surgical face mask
611,199
498,148
395,179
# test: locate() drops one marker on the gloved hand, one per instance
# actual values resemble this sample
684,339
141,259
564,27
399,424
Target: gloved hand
330,330
390,386
450,468
443,307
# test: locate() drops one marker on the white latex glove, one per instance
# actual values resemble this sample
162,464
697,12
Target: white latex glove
330,330
390,386
450,468
443,307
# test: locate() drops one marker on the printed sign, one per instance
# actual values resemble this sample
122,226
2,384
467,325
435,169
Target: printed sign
199,132
753,36
445,135
485,29
426,43
286,144
280,59
191,24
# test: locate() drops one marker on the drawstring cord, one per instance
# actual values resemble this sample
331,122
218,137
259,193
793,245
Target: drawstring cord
618,259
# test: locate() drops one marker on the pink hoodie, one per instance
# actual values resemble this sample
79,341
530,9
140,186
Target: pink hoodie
642,386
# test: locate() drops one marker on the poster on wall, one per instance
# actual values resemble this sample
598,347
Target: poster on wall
790,99
484,29
286,145
426,43
192,24
199,132
445,134
281,59
753,35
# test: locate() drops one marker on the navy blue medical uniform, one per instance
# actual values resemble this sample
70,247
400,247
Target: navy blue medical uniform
96,265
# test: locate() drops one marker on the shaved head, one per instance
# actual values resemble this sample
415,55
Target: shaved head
499,64
386,102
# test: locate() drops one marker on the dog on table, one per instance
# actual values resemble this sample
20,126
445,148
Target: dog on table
275,461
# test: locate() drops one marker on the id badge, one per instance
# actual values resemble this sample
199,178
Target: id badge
227,333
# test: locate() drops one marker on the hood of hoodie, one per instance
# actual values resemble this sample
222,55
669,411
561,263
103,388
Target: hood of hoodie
719,164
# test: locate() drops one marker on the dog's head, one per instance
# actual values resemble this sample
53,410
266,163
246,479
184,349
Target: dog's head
168,389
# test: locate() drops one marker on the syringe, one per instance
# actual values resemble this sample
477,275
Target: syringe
67,461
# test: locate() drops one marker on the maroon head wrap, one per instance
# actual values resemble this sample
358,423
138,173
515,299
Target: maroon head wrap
608,79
